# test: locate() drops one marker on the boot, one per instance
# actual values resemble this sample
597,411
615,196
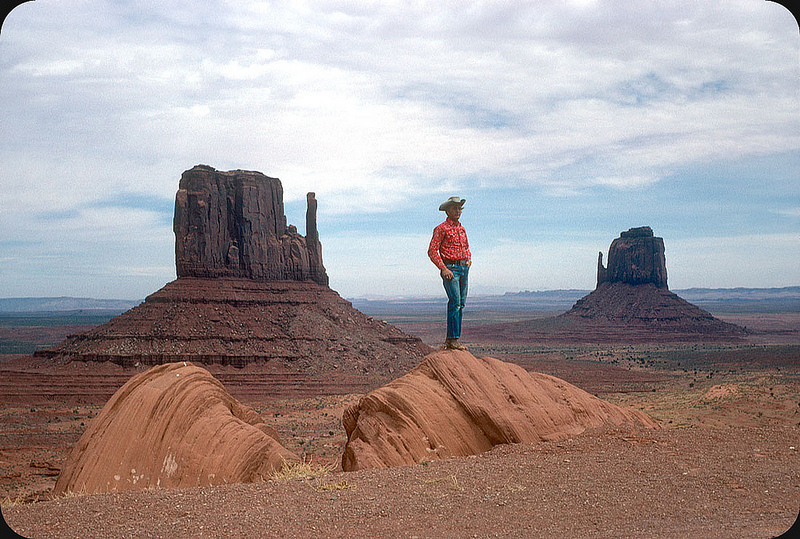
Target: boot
454,344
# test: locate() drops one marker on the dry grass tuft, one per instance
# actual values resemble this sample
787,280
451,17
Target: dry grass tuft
9,502
21,499
341,485
301,470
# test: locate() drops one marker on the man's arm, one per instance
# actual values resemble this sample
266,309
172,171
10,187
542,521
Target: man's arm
435,256
433,248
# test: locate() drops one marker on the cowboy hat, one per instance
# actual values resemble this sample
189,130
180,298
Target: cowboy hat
451,202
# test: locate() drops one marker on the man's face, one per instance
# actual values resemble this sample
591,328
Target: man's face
454,212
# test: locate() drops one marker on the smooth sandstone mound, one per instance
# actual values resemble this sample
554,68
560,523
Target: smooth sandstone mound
454,404
174,425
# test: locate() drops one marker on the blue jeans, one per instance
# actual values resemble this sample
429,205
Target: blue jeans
456,289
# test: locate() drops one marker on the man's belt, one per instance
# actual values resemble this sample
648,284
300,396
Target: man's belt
455,262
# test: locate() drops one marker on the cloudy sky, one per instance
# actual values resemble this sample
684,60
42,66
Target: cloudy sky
561,122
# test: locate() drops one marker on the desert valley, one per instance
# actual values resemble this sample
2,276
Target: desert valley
625,411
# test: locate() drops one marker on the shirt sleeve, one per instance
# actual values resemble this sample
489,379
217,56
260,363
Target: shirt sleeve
433,248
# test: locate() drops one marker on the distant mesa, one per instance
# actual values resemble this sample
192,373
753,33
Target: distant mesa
632,292
250,290
631,303
454,404
172,426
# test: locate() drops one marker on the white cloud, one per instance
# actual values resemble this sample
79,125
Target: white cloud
374,104
789,212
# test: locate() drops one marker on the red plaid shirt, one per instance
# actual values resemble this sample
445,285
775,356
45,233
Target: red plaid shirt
449,241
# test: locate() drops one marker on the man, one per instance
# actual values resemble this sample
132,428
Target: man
449,250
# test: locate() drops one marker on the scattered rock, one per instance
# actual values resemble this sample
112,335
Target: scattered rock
172,426
720,391
454,404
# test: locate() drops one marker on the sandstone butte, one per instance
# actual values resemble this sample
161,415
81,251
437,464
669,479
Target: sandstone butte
632,293
631,303
454,404
249,290
172,426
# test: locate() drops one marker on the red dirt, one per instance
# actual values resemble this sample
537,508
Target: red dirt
726,465
666,483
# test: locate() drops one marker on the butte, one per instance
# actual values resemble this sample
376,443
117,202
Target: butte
631,303
251,292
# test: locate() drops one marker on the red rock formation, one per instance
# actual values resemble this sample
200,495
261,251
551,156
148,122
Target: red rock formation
454,404
636,257
250,289
172,426
287,326
232,224
632,294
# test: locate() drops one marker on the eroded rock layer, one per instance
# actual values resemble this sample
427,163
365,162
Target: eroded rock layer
172,426
290,326
454,404
647,306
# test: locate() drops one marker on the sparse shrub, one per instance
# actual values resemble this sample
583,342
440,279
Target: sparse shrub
341,485
301,470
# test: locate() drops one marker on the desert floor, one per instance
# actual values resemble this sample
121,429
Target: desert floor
725,464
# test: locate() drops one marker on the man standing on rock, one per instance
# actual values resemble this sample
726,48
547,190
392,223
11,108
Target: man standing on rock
449,250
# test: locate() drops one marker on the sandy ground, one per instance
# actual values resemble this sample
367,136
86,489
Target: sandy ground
690,482
725,464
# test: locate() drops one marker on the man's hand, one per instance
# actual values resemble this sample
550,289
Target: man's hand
447,274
